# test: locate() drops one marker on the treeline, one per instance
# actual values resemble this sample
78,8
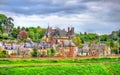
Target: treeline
34,33
9,32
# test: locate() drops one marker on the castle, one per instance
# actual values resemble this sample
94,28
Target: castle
61,40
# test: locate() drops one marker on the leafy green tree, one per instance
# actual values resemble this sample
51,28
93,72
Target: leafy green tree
34,53
1,29
15,32
103,38
31,35
119,33
52,51
35,33
48,52
111,43
92,36
3,18
5,35
77,40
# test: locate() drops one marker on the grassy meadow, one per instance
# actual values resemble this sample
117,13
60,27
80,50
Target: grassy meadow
77,66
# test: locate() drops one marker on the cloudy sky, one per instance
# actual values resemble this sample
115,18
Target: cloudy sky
100,16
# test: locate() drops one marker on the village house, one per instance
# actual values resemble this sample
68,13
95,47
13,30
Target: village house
66,49
10,48
43,47
84,51
99,49
25,49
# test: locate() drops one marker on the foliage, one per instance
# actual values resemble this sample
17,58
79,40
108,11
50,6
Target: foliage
48,52
52,51
3,18
23,35
3,53
15,32
77,40
34,53
103,37
35,33
5,35
7,22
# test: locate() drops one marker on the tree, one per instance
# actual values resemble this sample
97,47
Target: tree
5,35
31,35
23,35
111,43
15,32
3,18
48,52
103,38
52,51
77,40
119,33
35,33
8,25
85,33
34,53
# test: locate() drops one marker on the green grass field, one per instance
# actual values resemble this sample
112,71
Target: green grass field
94,66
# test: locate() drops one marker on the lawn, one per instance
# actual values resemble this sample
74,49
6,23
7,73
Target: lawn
94,66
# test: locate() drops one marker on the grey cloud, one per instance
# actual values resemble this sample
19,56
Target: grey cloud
41,7
109,12
91,0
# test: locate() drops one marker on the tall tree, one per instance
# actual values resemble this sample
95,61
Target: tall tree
8,25
3,18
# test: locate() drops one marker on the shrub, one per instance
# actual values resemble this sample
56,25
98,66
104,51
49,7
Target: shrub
52,51
3,53
5,35
48,52
13,53
34,53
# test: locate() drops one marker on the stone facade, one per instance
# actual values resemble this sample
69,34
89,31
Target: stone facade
99,50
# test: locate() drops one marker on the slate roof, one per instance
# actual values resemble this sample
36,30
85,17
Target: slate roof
59,32
66,44
98,47
28,45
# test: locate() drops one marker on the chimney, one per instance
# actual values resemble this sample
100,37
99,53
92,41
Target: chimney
68,29
72,29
